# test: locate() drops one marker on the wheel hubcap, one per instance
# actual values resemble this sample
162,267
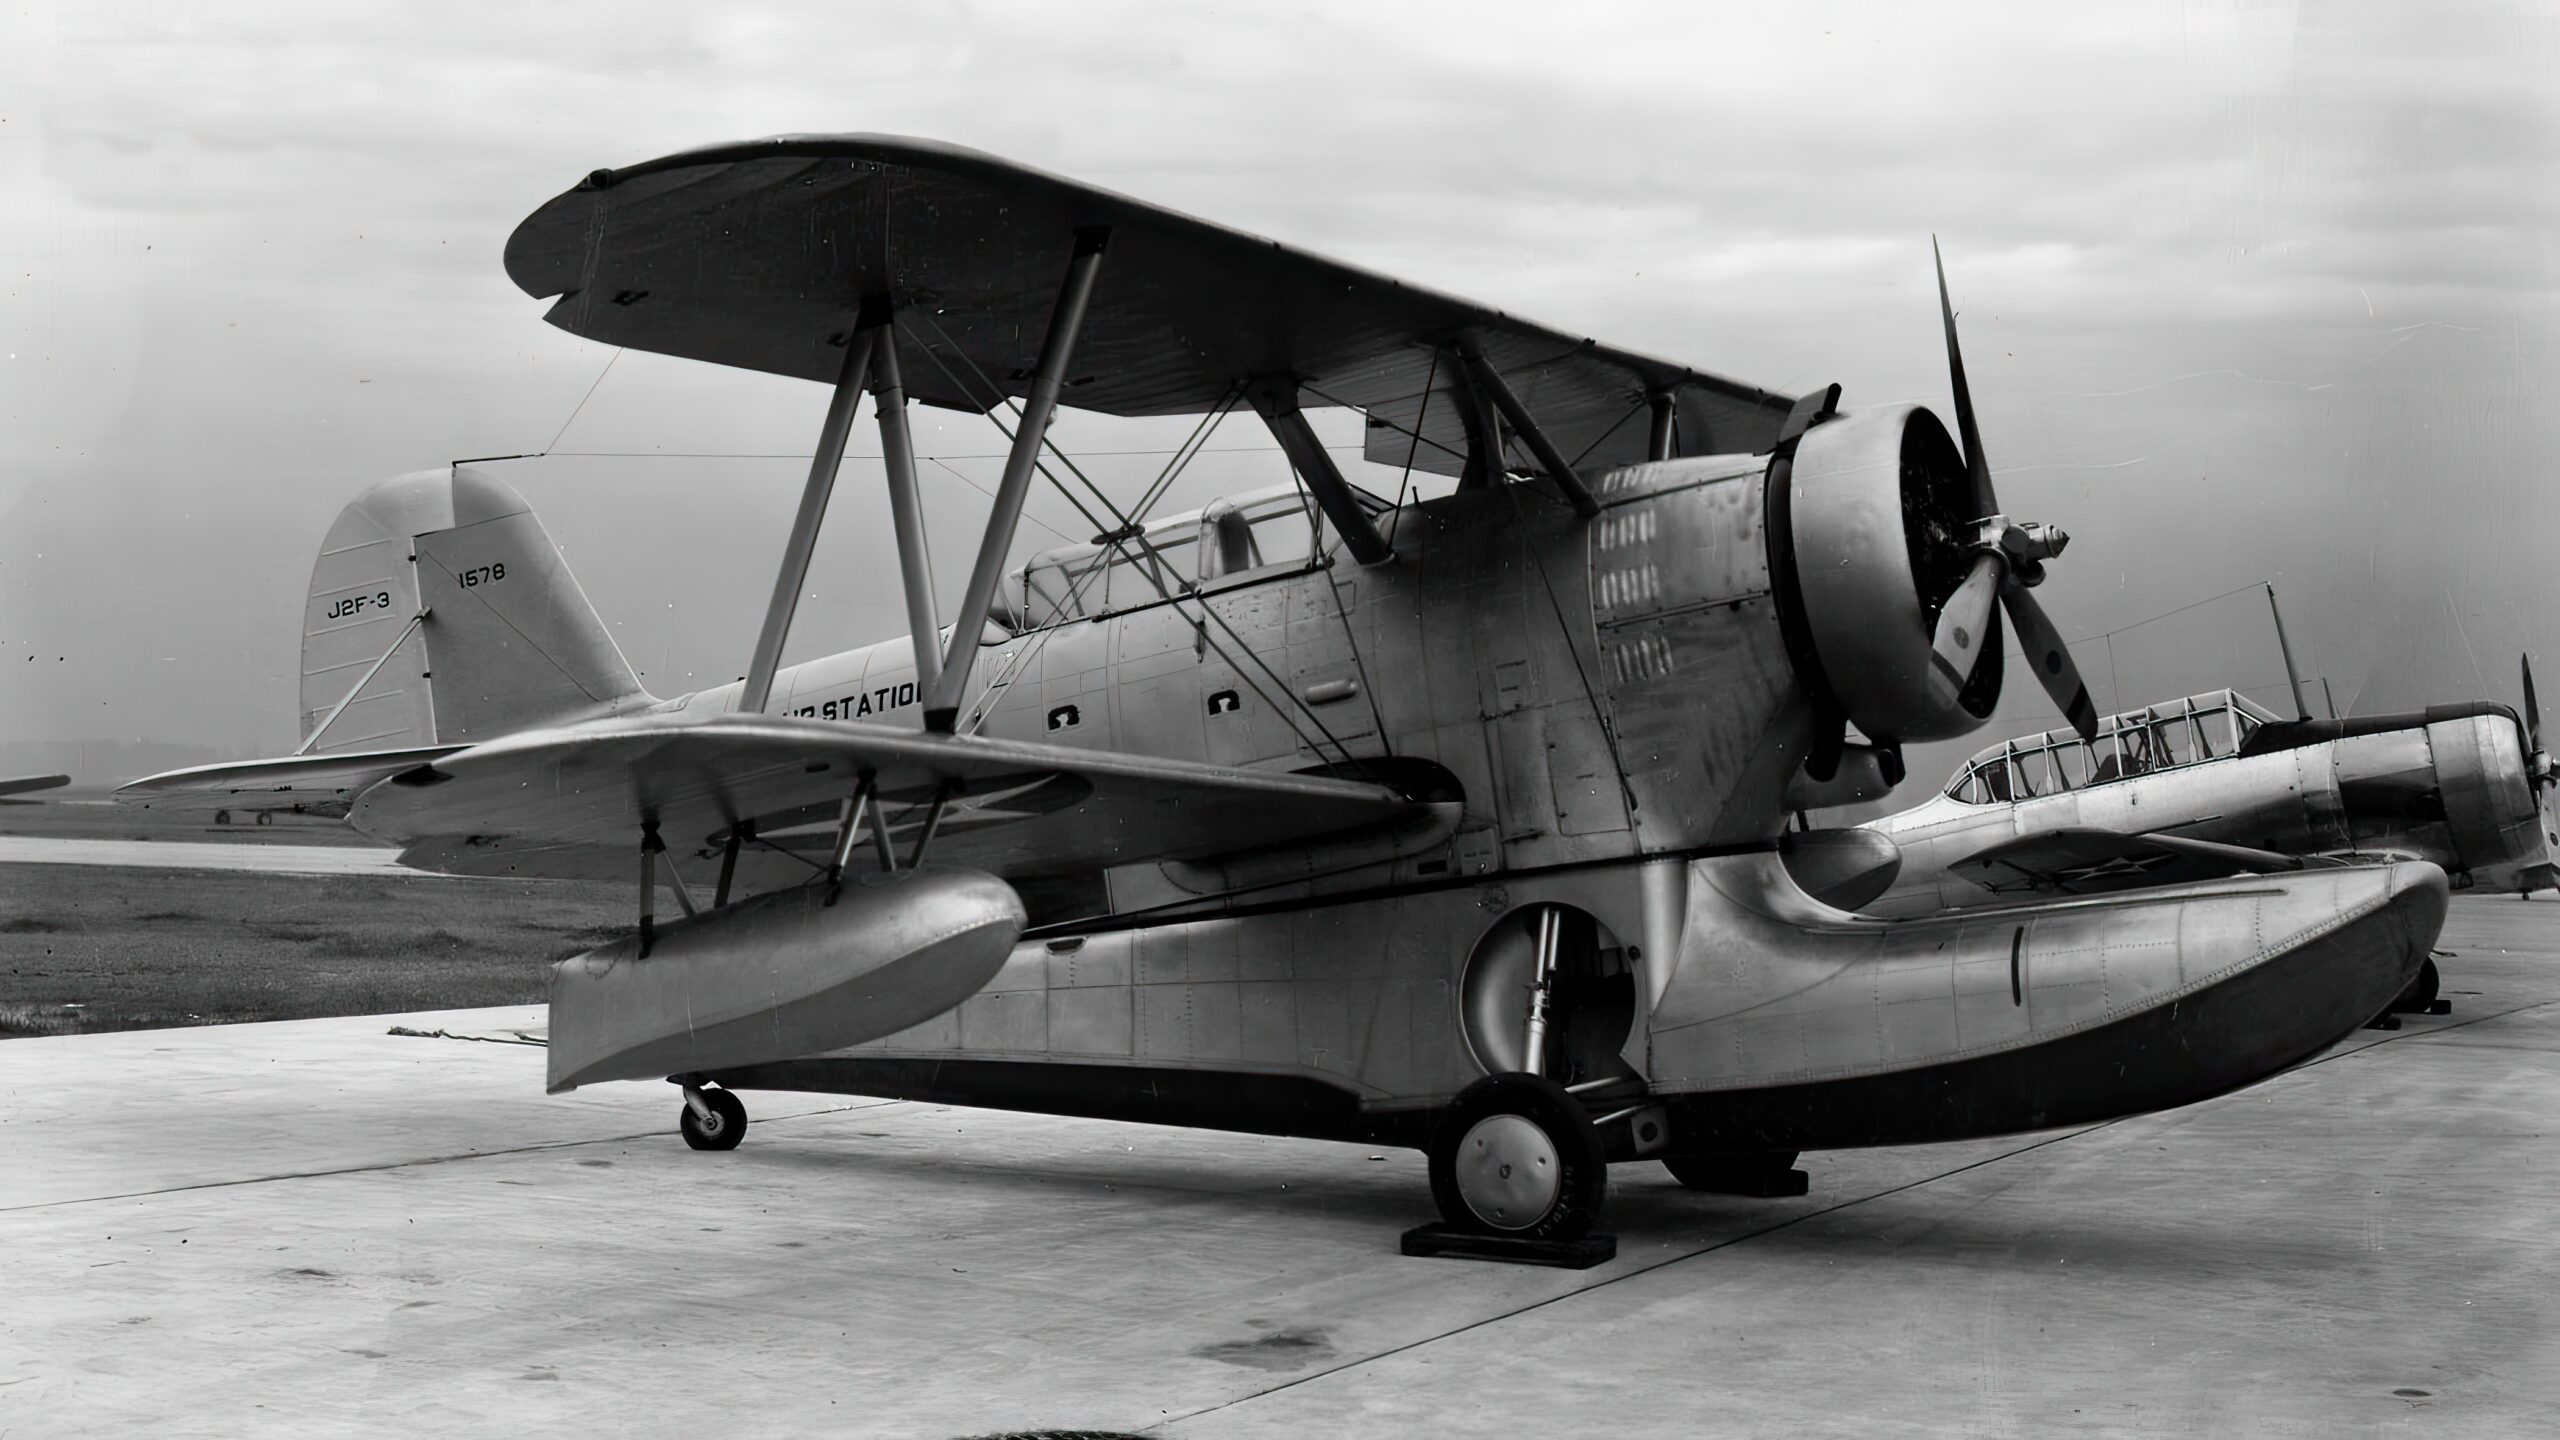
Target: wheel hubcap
1508,1172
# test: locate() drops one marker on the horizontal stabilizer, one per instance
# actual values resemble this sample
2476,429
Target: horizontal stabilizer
2078,860
570,802
320,783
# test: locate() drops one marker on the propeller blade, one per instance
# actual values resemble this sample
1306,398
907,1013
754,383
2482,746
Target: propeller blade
1830,740
1965,626
2532,708
2051,659
1968,433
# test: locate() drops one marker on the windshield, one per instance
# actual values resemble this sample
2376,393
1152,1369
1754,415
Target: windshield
2211,726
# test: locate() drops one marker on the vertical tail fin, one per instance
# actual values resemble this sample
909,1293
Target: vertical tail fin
508,639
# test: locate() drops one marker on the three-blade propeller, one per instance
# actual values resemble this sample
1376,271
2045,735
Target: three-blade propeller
2008,563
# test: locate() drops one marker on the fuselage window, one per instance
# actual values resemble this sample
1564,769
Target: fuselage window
2172,744
2070,766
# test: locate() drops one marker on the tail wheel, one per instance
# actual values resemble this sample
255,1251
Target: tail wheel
1516,1156
721,1128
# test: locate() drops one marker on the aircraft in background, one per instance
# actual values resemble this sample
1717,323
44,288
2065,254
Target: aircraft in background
29,784
1451,824
2207,786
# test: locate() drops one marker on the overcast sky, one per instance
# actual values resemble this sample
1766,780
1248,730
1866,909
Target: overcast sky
2248,291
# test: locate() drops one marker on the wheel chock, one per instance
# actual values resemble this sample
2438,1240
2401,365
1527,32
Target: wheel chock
1448,1242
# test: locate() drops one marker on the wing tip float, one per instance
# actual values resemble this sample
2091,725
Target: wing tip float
830,969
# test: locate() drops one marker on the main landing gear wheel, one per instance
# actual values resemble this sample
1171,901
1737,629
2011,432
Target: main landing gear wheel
1515,1156
721,1128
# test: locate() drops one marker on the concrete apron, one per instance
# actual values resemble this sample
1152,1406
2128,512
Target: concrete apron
321,1226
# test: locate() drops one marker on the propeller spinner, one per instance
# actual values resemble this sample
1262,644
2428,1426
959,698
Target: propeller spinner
2008,563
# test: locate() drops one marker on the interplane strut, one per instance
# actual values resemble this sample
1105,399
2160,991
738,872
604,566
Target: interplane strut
942,707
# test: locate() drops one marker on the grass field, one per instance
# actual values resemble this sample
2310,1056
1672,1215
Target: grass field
86,948
82,812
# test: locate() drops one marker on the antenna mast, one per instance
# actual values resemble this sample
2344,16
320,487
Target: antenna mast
2291,675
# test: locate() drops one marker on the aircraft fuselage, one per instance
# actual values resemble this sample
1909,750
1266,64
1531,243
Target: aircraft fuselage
1616,704
2450,786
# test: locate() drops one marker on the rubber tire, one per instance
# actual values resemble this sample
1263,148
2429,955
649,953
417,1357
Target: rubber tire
728,1125
221,817
2422,990
1583,1188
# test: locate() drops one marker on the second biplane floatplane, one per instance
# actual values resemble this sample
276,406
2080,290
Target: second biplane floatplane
1450,825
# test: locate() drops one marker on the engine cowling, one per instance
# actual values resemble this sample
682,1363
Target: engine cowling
1869,536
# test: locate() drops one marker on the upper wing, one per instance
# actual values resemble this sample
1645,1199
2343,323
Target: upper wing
570,802
322,784
759,255
2075,860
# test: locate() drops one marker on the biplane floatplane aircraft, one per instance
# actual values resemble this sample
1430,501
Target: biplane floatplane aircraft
1450,825
2207,786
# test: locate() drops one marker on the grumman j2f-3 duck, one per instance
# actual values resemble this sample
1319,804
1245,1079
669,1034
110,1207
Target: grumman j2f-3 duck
1450,825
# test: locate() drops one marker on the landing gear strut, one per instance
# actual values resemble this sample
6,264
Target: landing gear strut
712,1119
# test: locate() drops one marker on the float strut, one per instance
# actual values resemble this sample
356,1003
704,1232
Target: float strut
739,832
675,882
880,840
932,822
858,809
650,845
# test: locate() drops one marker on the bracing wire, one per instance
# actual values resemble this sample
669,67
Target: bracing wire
580,407
1121,537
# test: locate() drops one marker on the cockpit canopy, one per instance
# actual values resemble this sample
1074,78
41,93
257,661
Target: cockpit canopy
2210,726
1255,535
